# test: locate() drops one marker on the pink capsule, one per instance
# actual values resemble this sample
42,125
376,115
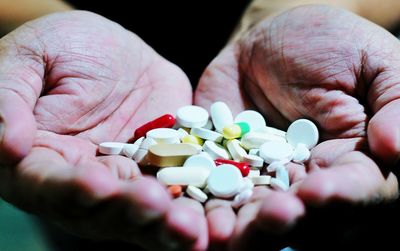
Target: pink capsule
244,168
165,121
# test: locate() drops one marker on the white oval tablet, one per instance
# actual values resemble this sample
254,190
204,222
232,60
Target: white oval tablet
140,157
111,147
129,150
253,173
272,130
275,151
200,160
256,139
261,180
192,116
225,181
183,176
282,175
196,194
253,160
301,153
236,151
302,131
242,198
254,151
147,142
206,134
253,118
272,167
164,135
215,150
221,115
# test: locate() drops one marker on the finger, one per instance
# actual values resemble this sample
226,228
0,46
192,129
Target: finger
121,167
352,178
221,222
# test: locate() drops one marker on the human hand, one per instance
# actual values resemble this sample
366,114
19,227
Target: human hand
334,68
69,81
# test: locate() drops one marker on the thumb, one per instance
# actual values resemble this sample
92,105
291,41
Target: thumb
21,74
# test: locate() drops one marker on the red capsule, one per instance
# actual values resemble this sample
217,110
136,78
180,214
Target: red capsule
165,121
243,167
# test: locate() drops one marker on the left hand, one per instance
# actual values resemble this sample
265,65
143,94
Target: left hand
306,63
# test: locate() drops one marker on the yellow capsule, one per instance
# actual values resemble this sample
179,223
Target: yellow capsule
191,139
232,131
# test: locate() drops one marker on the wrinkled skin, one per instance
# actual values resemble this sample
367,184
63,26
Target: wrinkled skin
69,81
332,67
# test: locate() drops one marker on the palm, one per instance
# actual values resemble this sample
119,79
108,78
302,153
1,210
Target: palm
87,80
314,67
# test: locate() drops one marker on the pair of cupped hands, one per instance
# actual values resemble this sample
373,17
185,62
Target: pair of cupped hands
69,81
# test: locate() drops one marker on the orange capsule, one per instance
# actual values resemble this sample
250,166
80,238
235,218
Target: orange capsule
175,190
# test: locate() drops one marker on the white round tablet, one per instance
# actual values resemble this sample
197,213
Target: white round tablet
302,131
255,120
192,116
275,151
301,153
221,115
164,135
206,134
200,160
129,150
111,147
225,181
215,150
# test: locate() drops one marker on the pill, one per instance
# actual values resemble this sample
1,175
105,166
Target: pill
129,150
276,150
202,160
147,142
206,190
301,153
224,181
209,125
196,194
140,157
111,148
253,118
276,164
235,130
191,139
183,176
164,155
192,116
165,121
254,173
253,160
235,150
278,184
182,133
221,115
215,150
261,180
175,191
254,151
139,141
256,139
272,130
242,198
302,131
206,134
244,168
164,135
246,184
282,175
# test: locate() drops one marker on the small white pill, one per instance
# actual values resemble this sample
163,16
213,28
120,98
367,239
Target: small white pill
215,150
272,130
282,175
139,141
261,180
276,150
182,133
246,184
301,153
253,173
129,150
302,131
276,164
146,143
242,198
278,185
200,160
196,194
253,118
164,135
221,115
140,156
206,134
209,125
225,181
256,139
236,151
183,176
254,151
192,116
253,160
111,148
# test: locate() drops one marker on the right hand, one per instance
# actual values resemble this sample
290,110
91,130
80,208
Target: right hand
69,81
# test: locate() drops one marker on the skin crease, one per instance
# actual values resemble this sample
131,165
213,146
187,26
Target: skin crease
68,82
334,68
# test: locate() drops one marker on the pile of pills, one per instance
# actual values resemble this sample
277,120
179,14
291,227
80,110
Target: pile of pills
221,156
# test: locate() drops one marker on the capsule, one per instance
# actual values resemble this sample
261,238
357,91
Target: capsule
244,168
165,121
236,130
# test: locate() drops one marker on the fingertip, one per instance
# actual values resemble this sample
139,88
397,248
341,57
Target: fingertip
316,189
221,222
